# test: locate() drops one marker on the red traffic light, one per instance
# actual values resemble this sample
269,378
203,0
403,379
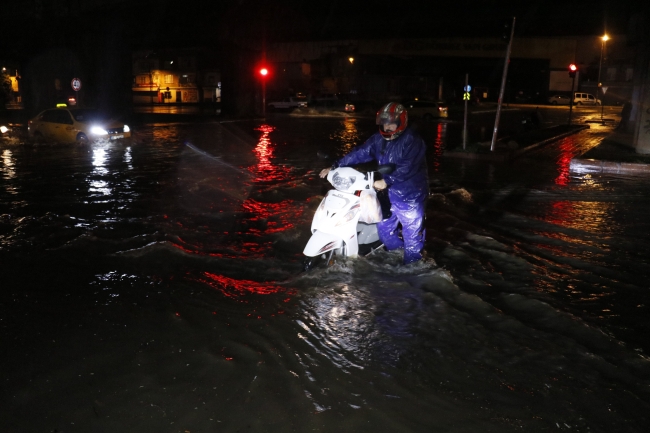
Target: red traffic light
264,72
572,70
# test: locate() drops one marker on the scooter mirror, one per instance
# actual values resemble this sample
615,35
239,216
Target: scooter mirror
386,168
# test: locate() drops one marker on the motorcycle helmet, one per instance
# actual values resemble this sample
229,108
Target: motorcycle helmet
392,112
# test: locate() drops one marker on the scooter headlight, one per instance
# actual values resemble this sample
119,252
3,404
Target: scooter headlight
351,214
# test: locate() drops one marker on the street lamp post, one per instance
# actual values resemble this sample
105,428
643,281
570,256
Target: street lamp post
604,38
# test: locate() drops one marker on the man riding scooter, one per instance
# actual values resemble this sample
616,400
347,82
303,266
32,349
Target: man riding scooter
408,184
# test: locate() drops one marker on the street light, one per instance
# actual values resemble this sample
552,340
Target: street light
572,73
604,38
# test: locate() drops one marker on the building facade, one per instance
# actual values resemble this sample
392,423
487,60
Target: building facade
175,77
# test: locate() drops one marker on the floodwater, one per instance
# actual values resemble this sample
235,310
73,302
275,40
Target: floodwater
155,285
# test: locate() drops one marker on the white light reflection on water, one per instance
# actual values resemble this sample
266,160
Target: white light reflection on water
99,163
128,158
95,181
348,134
9,165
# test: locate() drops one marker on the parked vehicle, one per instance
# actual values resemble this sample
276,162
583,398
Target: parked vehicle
338,226
290,102
67,125
559,100
426,110
585,99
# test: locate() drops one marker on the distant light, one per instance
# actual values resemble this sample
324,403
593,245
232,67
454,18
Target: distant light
573,67
3,129
264,72
351,59
605,38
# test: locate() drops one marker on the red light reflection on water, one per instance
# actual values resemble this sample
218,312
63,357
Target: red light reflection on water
275,217
439,145
234,288
586,216
567,147
265,170
560,212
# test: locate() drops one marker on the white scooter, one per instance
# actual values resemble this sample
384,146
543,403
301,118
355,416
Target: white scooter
346,218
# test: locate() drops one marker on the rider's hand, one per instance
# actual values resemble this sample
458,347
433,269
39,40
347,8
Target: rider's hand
380,184
325,171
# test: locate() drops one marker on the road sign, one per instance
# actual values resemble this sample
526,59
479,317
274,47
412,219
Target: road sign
76,84
604,89
467,88
466,96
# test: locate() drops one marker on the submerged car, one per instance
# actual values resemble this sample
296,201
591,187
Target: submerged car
63,124
427,110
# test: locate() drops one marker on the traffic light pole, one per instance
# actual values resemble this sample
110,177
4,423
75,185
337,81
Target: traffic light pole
573,82
264,97
465,115
602,104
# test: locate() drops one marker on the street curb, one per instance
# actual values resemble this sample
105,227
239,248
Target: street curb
504,156
550,140
578,165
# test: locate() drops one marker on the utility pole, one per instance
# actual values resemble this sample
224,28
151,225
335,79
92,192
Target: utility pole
573,69
503,85
466,98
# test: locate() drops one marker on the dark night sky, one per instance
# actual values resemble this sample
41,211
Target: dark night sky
199,22
341,19
101,34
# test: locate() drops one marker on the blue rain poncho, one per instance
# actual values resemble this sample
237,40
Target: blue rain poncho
408,188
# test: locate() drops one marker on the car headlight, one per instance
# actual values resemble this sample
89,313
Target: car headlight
126,128
3,129
97,130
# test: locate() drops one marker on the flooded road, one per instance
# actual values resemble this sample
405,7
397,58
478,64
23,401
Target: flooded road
156,285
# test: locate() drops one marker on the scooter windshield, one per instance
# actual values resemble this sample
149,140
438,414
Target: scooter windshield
342,183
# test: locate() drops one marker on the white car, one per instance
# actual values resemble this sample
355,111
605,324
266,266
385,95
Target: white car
559,100
291,102
585,99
